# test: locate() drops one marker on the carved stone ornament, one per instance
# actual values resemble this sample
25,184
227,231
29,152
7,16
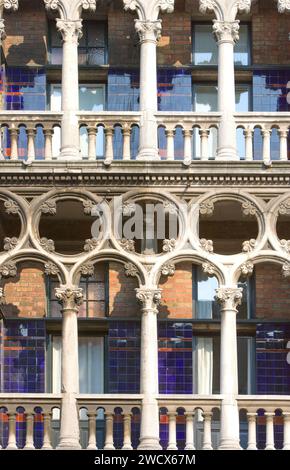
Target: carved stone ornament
70,298
206,245
169,245
168,269
8,270
51,269
248,208
285,245
2,296
127,245
148,29
47,244
87,270
247,269
170,207
2,33
208,269
284,207
145,7
226,30
71,31
229,298
48,207
219,6
89,205
91,244
206,208
10,4
11,207
249,245
128,209
131,270
283,5
57,4
286,270
10,243
149,298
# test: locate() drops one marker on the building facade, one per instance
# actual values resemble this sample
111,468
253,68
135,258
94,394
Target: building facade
145,224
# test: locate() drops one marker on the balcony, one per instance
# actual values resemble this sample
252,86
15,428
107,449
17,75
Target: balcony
114,136
31,421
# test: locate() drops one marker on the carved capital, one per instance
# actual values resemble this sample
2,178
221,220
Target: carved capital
51,269
248,208
48,207
2,29
285,245
91,244
283,5
225,9
11,207
247,269
229,298
87,270
70,298
206,208
208,269
71,31
149,9
168,269
149,298
249,245
89,206
226,31
47,244
169,245
70,9
127,245
284,207
148,30
10,243
206,245
9,4
131,270
8,270
286,270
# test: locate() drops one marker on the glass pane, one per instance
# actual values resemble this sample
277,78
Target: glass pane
205,98
205,47
91,365
96,34
56,56
206,307
96,291
206,365
242,46
91,98
245,364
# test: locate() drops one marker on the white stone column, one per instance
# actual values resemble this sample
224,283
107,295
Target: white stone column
148,27
229,299
70,298
149,433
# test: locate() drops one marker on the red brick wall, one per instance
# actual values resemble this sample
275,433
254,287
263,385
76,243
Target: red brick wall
272,293
25,294
122,296
177,293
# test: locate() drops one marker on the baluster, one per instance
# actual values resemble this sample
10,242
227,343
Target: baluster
92,431
2,131
109,441
92,138
266,134
207,443
12,431
252,439
47,431
270,431
170,133
48,134
187,133
248,133
14,133
172,431
29,444
127,445
189,444
109,154
204,135
283,134
126,131
286,443
31,133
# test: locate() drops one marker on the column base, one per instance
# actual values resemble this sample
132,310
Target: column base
227,154
149,444
230,445
189,447
92,447
147,155
69,447
70,153
127,447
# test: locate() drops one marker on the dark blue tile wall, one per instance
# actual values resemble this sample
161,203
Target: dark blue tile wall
25,89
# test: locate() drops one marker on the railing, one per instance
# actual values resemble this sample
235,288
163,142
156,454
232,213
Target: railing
268,421
110,136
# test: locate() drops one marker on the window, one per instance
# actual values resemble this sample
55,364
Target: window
92,45
205,48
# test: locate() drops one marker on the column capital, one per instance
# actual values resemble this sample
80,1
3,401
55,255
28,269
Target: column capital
229,297
149,298
226,31
70,9
148,30
283,5
148,10
9,4
225,10
71,31
70,297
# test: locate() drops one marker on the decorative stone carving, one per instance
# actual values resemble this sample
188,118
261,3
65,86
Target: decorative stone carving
10,4
167,269
47,244
206,245
284,207
283,5
226,30
229,298
285,245
2,36
248,208
286,270
48,207
170,207
169,245
206,208
249,245
10,243
247,269
2,296
131,270
64,5
70,298
8,270
128,245
149,298
223,8
209,269
71,31
89,205
87,270
147,7
51,269
148,29
11,207
128,209
91,244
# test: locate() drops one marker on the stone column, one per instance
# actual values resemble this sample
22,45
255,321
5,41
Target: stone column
229,299
148,27
149,433
70,299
